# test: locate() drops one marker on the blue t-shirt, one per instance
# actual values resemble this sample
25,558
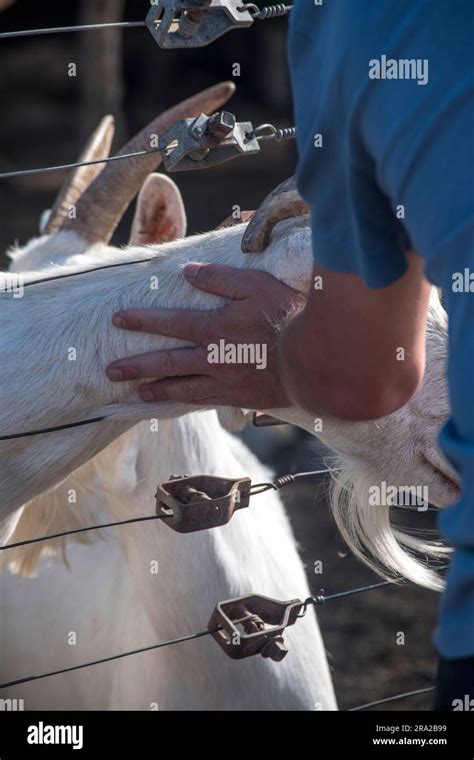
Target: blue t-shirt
388,85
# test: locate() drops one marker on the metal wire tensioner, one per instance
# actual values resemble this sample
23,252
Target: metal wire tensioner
180,23
195,23
255,624
191,503
243,627
206,141
201,142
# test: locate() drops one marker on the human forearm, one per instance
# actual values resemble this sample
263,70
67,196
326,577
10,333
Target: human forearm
328,384
356,353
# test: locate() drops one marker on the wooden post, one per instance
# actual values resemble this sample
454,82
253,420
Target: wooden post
100,69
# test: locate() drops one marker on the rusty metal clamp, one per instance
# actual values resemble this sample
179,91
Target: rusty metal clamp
260,419
201,502
206,141
196,22
251,625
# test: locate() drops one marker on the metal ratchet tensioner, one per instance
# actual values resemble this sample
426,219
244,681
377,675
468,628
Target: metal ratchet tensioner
254,624
195,22
206,141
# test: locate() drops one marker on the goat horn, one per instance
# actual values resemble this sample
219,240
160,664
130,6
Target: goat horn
101,208
282,203
98,146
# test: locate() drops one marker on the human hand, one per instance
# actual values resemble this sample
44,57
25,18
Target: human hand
235,361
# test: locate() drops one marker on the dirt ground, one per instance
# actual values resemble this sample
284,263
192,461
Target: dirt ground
40,124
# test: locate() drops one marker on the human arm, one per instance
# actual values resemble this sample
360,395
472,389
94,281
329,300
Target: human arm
336,356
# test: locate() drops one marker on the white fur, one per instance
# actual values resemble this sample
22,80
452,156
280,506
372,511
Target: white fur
39,329
254,553
114,603
400,449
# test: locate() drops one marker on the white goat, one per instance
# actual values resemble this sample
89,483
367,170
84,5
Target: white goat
31,465
113,602
195,571
401,449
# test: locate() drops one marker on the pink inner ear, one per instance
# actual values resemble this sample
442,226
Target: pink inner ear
168,231
158,224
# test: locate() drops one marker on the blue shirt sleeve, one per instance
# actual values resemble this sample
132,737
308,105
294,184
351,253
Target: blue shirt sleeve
388,86
391,172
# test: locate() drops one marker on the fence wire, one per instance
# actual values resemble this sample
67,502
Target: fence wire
262,14
271,133
201,634
403,695
66,29
256,489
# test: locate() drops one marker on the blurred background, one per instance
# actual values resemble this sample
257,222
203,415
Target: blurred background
46,116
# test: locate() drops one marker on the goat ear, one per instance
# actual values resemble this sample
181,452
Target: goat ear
160,216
